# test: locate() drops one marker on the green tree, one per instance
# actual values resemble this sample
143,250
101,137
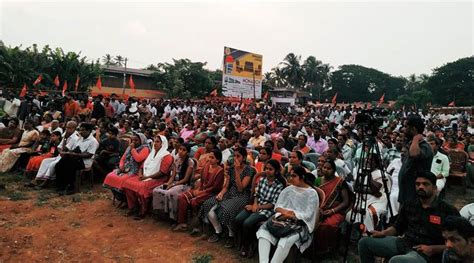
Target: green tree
24,66
108,60
119,60
358,83
292,70
453,82
316,76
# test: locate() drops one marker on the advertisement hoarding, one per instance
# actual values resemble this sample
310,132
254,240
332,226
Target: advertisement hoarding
242,74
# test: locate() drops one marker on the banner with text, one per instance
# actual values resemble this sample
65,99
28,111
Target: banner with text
241,74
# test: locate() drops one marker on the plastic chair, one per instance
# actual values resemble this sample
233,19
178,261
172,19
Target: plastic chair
312,157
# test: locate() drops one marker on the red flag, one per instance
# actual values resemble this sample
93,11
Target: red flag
381,100
265,97
56,81
99,83
452,104
64,88
77,83
213,93
132,84
38,80
334,99
23,91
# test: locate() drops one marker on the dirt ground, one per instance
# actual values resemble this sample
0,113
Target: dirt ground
39,226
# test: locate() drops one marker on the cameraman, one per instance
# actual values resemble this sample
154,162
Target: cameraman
417,161
369,185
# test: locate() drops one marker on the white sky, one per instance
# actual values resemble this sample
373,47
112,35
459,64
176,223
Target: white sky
398,38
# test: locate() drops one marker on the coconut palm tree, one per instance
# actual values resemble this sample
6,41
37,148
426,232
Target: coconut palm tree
119,60
108,60
292,70
316,75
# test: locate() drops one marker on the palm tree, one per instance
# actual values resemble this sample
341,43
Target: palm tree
108,60
292,70
316,75
119,60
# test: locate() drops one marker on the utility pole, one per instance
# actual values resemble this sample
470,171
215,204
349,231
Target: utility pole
254,96
124,78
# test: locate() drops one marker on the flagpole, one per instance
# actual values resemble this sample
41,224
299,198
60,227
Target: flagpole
124,78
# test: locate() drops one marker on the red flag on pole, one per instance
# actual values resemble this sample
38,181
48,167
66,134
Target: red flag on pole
23,91
56,81
99,83
452,104
132,84
38,80
334,99
381,100
64,87
213,93
77,82
265,97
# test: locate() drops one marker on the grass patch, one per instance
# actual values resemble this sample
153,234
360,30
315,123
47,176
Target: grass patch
202,258
16,195
8,178
43,198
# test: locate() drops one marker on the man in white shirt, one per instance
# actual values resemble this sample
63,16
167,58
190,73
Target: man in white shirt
440,164
73,160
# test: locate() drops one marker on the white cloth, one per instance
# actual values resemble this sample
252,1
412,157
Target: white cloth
440,165
393,169
47,168
87,145
468,212
378,203
152,163
48,165
11,107
304,202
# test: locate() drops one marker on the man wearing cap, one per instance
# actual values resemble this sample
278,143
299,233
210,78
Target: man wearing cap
416,235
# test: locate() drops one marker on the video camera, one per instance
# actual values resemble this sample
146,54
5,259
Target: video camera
370,120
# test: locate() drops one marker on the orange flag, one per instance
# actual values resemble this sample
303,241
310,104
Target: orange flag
334,99
38,80
452,104
23,91
213,93
77,82
64,88
132,84
381,100
99,83
56,81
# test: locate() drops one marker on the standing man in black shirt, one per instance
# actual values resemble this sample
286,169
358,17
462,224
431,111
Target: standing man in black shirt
416,236
418,160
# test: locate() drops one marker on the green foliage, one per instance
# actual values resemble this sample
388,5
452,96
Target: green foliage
20,67
358,83
204,258
453,82
185,79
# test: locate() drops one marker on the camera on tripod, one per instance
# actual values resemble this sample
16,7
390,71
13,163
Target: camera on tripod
370,120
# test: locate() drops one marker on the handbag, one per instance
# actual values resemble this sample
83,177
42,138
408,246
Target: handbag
282,228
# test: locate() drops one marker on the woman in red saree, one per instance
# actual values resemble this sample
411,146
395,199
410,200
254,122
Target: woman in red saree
155,172
333,209
210,184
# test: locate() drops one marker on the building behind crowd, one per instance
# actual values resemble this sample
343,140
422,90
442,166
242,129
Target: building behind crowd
113,81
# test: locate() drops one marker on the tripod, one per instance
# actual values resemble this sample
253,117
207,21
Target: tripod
370,160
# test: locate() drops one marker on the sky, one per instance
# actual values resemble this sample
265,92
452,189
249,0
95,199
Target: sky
399,38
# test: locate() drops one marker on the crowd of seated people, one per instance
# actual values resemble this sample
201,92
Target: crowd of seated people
259,176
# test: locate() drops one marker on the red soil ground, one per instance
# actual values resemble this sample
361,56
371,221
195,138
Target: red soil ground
87,228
